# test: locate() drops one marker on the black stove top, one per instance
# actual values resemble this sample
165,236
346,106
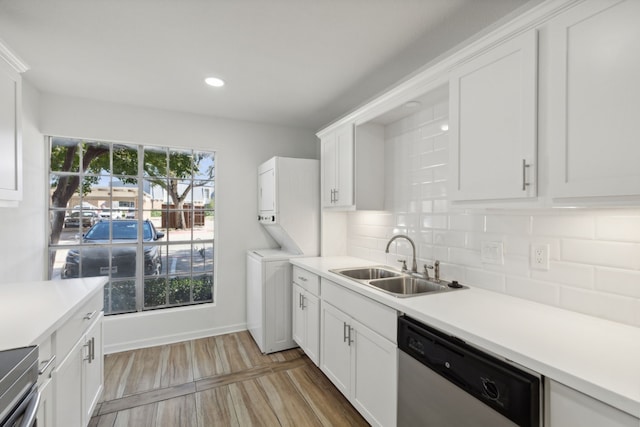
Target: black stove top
18,374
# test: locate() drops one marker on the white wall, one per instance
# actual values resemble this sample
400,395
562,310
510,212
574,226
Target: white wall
240,147
595,254
22,229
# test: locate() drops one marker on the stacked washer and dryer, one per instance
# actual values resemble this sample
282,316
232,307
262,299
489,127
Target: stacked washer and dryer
289,210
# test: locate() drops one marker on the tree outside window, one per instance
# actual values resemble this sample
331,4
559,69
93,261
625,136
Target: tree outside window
147,221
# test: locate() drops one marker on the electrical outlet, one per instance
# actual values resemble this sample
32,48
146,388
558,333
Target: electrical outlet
540,257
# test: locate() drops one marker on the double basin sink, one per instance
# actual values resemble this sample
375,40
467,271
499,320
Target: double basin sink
396,283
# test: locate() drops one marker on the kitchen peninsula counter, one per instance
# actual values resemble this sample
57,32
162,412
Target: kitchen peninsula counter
30,311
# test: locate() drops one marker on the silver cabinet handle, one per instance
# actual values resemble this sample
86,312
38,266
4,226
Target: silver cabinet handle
88,345
299,300
302,306
303,279
93,349
337,195
350,340
89,316
344,332
46,366
525,184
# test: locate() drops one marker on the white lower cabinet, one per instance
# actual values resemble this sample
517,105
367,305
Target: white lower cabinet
45,409
361,363
78,379
306,322
566,407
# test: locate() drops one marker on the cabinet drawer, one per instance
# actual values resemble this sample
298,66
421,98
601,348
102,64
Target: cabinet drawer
307,280
378,317
76,326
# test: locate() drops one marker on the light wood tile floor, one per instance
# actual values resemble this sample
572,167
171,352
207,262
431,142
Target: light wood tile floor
218,381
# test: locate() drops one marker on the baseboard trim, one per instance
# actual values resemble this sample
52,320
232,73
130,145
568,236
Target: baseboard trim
174,338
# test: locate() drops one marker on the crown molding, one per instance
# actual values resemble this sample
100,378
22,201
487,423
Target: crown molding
435,73
12,59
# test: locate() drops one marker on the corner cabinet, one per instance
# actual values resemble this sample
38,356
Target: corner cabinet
359,359
594,100
10,128
493,122
353,167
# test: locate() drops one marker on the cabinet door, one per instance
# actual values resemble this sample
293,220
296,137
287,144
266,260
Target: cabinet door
45,409
493,123
299,326
311,307
344,196
338,168
267,191
594,101
67,381
329,169
92,369
568,407
10,134
336,348
374,377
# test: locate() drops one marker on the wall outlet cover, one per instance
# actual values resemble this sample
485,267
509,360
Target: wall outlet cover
540,257
491,253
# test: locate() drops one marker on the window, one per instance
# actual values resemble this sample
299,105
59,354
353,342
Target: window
142,216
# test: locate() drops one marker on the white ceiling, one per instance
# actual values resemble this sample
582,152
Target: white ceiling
301,63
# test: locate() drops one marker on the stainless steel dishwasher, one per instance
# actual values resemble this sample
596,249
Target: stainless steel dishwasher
444,382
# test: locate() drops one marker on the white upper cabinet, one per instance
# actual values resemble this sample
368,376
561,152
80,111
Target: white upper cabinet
337,168
353,167
493,121
594,100
10,128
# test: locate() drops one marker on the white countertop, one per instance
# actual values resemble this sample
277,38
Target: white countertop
598,357
31,311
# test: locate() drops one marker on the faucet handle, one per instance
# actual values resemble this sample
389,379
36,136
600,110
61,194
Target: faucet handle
404,264
426,271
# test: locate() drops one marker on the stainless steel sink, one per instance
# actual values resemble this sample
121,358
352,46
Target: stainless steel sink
407,285
367,273
395,283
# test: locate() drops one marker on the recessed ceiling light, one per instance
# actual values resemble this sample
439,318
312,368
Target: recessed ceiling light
444,126
411,105
214,81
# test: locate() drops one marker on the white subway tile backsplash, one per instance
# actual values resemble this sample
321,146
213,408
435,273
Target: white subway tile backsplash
608,306
612,254
508,224
465,257
434,221
466,222
579,226
441,142
441,110
617,281
484,279
578,275
618,228
534,290
595,254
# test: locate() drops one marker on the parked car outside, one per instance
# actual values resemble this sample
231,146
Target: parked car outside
88,219
95,259
110,214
